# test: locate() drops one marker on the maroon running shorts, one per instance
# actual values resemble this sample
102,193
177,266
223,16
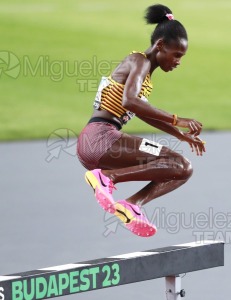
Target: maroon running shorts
94,141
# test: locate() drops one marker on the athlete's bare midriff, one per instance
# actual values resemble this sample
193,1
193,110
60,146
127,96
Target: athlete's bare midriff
106,115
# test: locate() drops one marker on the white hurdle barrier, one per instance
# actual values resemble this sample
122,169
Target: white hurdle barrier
168,262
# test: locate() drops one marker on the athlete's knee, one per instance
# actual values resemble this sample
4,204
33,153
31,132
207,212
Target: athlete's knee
183,168
187,169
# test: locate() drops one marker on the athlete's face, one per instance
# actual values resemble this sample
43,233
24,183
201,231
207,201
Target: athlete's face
169,55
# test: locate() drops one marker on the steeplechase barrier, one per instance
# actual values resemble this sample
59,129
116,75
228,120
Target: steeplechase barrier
169,262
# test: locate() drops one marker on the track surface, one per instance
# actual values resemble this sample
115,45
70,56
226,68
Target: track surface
49,216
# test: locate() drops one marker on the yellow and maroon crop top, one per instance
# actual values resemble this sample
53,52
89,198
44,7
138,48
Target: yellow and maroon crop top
110,94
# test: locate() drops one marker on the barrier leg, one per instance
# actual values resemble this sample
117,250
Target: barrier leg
173,288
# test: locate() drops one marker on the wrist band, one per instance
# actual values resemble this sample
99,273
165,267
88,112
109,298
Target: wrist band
174,120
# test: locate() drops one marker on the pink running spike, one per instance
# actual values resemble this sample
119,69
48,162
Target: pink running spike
134,219
103,187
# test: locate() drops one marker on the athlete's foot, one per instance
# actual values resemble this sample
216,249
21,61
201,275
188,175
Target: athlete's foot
133,218
103,188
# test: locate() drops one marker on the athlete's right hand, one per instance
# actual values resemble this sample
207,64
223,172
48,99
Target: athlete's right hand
194,126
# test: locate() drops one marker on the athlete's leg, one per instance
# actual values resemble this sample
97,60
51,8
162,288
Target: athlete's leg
125,162
153,190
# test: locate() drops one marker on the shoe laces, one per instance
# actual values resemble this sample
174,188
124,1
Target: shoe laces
111,187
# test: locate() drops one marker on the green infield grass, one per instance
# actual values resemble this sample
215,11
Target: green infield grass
53,54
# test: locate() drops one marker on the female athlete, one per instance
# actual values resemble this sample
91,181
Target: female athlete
112,156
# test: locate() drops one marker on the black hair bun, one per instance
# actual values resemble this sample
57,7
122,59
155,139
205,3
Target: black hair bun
156,14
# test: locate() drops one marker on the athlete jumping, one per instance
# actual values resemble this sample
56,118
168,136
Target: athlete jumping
112,156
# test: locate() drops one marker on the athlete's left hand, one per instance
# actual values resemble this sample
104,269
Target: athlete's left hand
195,143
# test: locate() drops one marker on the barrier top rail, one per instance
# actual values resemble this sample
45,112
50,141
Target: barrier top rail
111,271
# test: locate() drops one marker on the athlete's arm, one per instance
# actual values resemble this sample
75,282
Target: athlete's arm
138,71
164,126
194,141
133,85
